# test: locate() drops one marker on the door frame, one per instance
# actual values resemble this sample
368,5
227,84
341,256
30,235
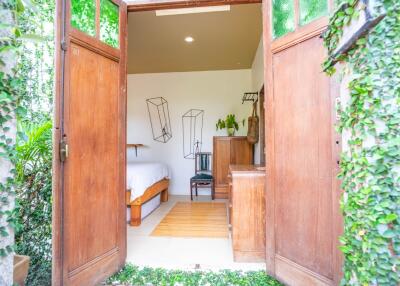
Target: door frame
273,46
270,47
151,5
64,36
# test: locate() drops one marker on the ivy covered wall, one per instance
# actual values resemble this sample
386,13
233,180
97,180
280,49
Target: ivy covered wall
370,124
7,140
26,91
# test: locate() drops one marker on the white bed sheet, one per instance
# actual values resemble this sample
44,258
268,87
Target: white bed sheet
140,176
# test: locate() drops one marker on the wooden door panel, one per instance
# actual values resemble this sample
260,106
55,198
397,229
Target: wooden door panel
91,187
303,159
89,224
222,156
241,152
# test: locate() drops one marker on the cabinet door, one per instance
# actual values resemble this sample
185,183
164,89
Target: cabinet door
241,151
221,160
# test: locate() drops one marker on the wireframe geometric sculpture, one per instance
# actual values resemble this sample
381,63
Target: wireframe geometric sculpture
192,128
159,119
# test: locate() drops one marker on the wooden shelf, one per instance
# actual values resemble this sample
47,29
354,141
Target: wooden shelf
134,146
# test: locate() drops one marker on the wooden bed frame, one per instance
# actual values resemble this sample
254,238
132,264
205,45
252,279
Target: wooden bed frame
151,192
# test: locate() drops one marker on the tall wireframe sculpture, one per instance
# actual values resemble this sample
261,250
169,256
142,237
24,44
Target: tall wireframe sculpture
192,128
159,119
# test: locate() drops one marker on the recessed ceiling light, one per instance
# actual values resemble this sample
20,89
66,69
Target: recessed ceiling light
189,39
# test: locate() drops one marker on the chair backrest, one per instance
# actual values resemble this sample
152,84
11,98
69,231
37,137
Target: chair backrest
203,163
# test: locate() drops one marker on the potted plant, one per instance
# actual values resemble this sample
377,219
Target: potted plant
229,123
21,267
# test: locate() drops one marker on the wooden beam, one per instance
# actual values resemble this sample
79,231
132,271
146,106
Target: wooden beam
149,5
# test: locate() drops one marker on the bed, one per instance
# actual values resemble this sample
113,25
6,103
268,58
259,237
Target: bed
145,182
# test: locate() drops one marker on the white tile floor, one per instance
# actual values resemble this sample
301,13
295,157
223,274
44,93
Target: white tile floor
177,252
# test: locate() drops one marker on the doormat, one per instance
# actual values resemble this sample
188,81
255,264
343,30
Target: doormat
194,219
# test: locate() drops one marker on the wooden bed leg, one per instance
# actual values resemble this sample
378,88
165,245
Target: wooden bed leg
164,196
136,215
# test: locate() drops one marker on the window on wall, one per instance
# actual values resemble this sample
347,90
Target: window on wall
311,10
83,16
109,23
283,14
283,17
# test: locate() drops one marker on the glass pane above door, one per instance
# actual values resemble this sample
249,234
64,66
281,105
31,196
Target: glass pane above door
83,16
109,23
312,9
283,17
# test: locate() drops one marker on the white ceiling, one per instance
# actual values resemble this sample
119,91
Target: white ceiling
222,40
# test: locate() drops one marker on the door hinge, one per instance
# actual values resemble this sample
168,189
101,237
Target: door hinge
63,150
63,45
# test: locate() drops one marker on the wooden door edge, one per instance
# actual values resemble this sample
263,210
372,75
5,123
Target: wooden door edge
57,266
269,146
123,128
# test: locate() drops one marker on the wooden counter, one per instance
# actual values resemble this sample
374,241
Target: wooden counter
247,212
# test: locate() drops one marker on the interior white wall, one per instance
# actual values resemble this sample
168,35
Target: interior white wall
257,81
216,92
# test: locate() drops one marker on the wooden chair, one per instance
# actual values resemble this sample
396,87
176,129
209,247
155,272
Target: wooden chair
203,171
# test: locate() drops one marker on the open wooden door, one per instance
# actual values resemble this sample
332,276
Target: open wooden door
89,227
302,196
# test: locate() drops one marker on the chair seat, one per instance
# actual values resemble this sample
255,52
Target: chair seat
202,177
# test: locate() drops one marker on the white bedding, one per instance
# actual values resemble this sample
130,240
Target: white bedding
140,176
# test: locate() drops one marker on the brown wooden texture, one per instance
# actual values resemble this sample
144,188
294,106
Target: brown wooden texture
20,269
228,150
194,219
134,145
302,213
303,153
247,199
92,138
122,120
57,167
261,101
241,151
151,192
148,5
136,215
89,229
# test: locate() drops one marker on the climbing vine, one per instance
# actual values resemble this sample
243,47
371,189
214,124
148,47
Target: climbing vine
370,162
9,111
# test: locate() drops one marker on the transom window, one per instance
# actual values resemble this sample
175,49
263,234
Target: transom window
283,14
83,18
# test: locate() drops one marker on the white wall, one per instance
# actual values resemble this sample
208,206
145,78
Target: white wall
216,92
257,81
257,68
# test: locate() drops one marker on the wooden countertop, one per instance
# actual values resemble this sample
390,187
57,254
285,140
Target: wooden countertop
247,170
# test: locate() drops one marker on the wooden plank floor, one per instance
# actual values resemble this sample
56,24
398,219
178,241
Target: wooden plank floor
194,219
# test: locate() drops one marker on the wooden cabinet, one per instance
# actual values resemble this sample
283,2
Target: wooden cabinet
228,150
247,212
